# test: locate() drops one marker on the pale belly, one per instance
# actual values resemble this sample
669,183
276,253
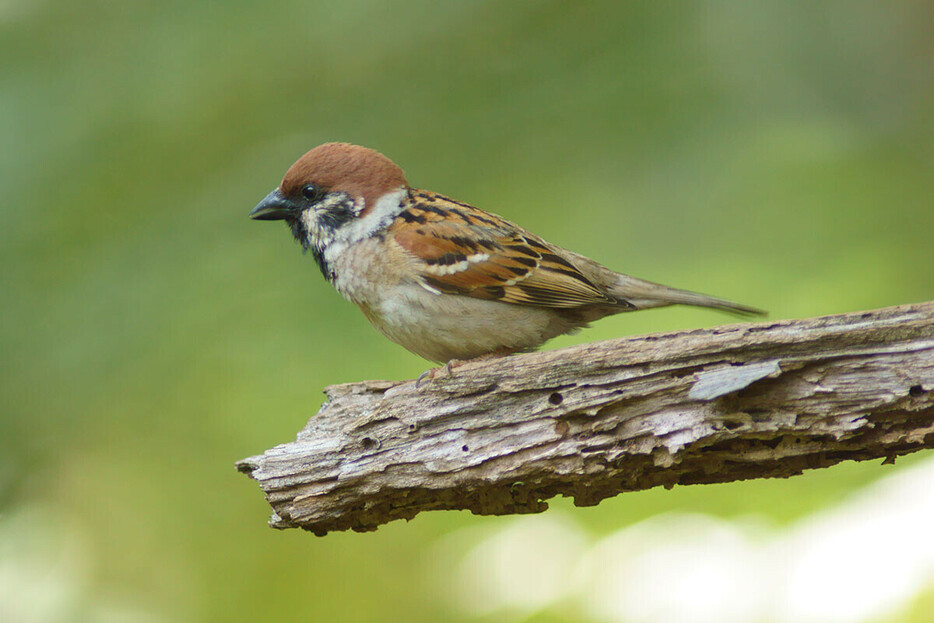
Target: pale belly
438,327
444,327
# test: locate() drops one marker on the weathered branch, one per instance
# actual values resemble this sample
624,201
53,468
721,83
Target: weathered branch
743,401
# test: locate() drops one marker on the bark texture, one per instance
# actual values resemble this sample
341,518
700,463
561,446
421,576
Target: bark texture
758,400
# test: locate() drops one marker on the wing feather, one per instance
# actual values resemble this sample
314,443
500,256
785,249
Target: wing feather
462,250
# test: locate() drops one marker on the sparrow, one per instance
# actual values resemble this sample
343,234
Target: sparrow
447,281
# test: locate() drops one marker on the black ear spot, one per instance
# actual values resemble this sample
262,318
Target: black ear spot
312,192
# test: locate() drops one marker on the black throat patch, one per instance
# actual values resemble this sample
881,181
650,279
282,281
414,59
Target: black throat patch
332,213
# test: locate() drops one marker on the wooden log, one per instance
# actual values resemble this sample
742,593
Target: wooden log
756,400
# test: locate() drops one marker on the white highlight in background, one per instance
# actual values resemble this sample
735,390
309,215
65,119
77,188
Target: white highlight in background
853,563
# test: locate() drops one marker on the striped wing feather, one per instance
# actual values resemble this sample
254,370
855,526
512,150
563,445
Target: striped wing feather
463,250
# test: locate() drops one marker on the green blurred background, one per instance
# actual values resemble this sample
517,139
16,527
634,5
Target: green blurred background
777,153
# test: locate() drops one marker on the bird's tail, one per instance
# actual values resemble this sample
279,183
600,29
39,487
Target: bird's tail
645,294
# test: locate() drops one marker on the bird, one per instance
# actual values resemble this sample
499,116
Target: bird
442,278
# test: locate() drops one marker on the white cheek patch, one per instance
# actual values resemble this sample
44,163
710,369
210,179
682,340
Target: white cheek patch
309,220
316,236
336,241
384,210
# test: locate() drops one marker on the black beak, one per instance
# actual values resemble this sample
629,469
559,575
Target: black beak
274,207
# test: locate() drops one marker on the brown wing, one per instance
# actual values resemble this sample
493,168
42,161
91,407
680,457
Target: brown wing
463,250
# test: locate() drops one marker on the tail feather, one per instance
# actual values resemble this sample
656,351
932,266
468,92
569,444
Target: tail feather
646,294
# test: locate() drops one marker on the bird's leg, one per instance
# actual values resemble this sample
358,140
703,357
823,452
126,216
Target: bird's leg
456,363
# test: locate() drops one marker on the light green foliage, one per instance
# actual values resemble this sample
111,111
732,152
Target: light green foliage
779,154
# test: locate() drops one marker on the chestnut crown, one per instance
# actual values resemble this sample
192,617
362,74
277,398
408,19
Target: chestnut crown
358,171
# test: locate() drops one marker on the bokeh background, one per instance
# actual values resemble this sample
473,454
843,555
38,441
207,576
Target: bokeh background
778,153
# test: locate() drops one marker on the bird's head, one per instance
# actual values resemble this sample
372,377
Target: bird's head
333,193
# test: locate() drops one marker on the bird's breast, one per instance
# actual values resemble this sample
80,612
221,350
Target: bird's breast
377,276
365,272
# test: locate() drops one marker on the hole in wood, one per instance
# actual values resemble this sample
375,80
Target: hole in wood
915,390
369,443
556,398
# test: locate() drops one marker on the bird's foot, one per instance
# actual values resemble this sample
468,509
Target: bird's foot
455,363
431,372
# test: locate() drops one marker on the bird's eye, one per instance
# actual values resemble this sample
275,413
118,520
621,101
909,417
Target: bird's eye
312,192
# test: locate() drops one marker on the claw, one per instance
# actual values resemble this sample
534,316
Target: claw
454,363
430,373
